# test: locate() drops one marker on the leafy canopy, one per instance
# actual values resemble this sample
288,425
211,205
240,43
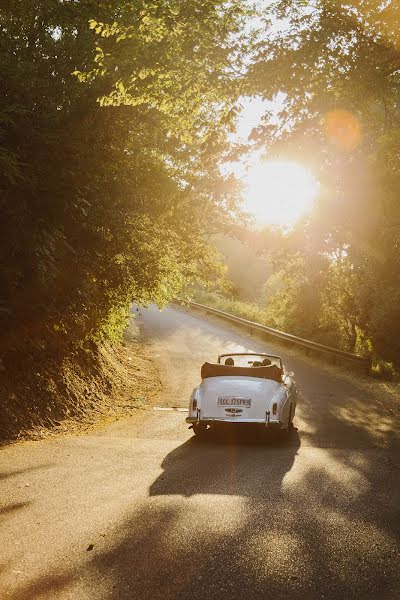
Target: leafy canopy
113,123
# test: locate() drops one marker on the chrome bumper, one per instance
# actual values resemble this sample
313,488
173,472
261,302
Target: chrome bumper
216,420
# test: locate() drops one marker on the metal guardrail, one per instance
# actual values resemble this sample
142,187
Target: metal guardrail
348,357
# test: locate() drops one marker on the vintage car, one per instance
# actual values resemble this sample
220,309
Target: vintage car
246,389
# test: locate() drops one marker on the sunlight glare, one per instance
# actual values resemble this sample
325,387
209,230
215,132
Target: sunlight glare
279,192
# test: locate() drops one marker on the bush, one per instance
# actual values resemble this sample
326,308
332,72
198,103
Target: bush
384,370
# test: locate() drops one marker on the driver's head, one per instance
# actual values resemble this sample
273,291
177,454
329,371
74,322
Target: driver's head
266,362
230,362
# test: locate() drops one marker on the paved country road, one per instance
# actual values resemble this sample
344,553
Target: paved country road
142,510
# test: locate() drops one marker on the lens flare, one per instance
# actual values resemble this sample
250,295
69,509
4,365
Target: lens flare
343,129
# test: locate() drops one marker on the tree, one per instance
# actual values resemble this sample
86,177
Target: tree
337,65
112,125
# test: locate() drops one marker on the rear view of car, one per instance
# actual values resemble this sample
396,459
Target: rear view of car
242,394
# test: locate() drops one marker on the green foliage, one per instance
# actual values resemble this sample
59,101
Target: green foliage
384,370
245,310
293,295
114,324
337,67
113,120
339,311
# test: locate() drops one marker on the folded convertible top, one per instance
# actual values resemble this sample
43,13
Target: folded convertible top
216,370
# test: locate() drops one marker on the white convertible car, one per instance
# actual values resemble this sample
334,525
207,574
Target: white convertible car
243,388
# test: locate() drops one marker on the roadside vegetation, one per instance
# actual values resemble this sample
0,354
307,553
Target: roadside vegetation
113,118
335,275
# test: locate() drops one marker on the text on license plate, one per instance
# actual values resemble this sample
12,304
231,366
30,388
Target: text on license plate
234,401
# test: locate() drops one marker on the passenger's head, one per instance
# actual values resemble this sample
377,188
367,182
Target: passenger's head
257,363
266,362
230,362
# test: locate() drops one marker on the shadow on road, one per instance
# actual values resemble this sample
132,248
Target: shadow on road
274,521
251,519
11,508
16,472
240,467
316,517
235,521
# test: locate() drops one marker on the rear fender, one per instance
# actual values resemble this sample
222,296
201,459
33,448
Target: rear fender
282,399
195,402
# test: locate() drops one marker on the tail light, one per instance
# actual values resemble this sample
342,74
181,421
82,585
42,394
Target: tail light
274,408
194,403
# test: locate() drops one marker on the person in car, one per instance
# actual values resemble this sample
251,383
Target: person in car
230,362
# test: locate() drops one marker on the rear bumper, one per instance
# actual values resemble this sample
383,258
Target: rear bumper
215,421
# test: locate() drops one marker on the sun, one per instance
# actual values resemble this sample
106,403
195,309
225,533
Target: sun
279,192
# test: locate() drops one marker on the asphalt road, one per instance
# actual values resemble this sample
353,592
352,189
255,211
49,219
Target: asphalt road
141,510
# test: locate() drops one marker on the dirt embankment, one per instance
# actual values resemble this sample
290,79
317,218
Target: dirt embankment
91,386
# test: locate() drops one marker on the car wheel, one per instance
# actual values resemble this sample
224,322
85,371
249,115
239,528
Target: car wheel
282,434
200,430
291,416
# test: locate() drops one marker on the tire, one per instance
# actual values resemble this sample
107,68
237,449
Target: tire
200,430
290,422
284,433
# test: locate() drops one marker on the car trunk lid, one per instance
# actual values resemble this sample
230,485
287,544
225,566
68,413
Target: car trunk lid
236,398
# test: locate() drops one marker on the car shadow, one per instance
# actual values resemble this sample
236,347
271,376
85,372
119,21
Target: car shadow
227,465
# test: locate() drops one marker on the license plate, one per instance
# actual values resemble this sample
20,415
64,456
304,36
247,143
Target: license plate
234,401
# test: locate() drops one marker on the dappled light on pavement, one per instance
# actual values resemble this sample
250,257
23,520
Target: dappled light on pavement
143,509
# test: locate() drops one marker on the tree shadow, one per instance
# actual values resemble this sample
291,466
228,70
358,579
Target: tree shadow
49,586
235,520
11,508
229,519
337,412
15,473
